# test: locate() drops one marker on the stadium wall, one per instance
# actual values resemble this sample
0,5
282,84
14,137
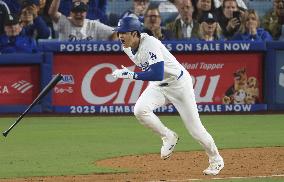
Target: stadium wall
87,86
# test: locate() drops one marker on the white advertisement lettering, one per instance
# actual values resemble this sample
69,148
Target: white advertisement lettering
119,96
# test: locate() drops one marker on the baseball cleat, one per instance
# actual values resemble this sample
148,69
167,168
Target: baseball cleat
169,143
214,168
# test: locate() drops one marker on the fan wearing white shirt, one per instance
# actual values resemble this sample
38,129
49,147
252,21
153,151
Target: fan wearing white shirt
77,27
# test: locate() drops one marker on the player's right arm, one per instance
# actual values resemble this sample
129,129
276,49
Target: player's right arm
53,11
154,73
151,57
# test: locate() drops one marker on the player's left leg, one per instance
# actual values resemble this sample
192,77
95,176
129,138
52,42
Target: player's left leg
151,99
183,98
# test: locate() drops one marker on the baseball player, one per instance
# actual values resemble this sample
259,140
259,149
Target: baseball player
169,82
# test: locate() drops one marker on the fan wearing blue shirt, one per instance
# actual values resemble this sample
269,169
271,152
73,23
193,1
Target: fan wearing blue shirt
13,41
250,30
33,24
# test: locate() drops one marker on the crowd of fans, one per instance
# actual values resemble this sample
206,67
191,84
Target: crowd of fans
24,22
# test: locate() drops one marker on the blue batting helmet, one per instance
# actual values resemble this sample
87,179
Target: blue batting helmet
128,24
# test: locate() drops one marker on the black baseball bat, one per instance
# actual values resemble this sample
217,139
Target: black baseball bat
44,91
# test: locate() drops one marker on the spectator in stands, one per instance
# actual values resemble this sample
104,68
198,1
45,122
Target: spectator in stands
32,23
44,6
96,10
14,5
77,27
152,24
166,6
184,27
174,2
4,11
229,18
167,10
201,7
138,11
241,4
13,41
250,30
209,28
274,21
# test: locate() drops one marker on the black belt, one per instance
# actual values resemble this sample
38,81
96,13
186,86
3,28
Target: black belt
166,84
163,84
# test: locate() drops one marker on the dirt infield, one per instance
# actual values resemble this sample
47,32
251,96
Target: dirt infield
184,166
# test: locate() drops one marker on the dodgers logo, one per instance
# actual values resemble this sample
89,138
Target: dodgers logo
152,56
144,66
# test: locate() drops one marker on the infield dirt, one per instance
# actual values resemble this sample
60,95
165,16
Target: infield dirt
183,166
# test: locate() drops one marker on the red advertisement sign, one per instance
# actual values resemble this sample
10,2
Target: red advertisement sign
228,78
19,84
218,78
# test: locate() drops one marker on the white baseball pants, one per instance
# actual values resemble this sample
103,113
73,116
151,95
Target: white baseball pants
181,94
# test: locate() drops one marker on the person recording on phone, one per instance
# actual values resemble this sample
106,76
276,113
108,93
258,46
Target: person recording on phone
229,16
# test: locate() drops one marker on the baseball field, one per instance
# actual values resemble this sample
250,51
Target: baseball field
118,148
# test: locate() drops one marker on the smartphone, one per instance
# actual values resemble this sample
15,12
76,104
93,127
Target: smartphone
236,14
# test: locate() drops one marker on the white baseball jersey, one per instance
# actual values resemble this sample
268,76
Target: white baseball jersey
176,88
91,30
151,51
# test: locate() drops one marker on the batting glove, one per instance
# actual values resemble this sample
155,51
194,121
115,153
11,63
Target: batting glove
124,73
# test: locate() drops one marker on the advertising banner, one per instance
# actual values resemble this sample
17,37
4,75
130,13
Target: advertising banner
219,78
19,84
230,78
173,46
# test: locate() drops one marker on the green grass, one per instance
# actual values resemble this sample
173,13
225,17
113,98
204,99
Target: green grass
44,146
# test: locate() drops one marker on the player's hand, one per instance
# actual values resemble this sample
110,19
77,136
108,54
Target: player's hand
124,73
34,10
232,24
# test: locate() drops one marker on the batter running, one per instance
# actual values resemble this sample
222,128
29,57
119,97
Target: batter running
169,83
